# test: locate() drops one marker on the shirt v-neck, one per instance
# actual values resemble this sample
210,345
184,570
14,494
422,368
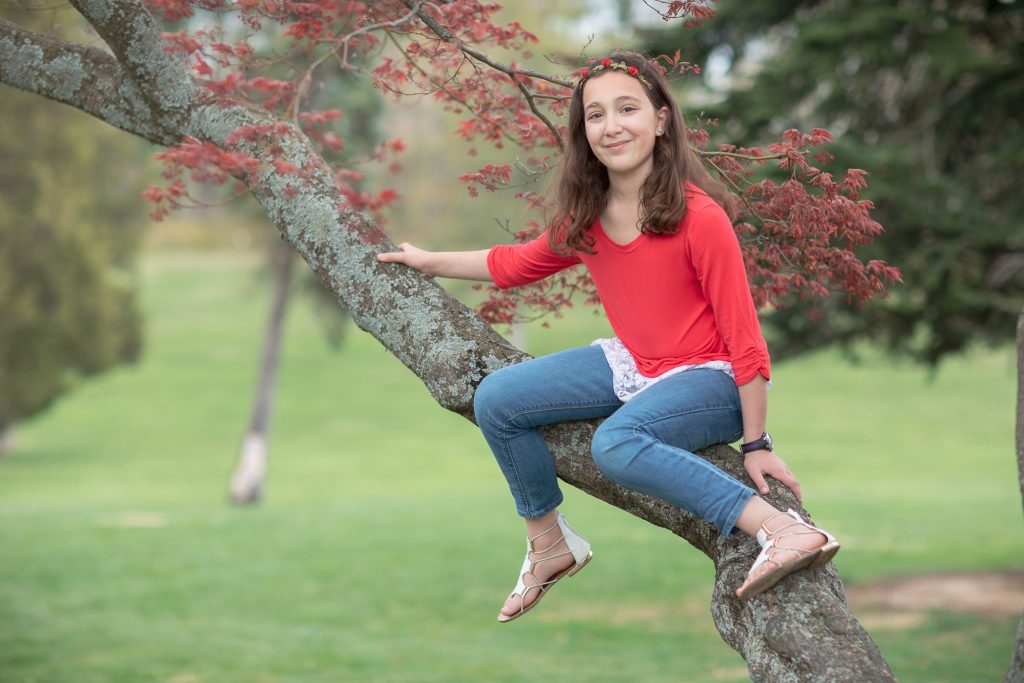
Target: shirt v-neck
628,246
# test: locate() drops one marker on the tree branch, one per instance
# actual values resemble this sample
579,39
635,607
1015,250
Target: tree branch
447,36
84,77
443,87
736,155
164,80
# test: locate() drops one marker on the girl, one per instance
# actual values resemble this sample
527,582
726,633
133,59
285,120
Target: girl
688,367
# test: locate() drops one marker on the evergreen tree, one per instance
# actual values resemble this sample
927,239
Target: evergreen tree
69,232
924,93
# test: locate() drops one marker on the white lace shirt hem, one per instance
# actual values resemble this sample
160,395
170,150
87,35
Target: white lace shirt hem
626,378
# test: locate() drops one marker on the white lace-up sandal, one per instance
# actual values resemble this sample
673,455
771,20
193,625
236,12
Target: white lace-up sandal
579,548
771,547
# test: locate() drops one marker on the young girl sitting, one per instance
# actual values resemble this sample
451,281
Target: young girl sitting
688,367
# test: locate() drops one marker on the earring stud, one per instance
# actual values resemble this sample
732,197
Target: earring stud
659,131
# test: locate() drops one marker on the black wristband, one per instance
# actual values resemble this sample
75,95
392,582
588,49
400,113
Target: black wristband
764,443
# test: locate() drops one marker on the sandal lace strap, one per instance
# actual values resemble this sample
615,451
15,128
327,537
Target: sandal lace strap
771,547
533,538
537,552
793,520
532,562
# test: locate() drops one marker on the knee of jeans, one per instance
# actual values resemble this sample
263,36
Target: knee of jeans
495,403
485,400
610,449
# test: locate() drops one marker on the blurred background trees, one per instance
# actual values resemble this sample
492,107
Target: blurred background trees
70,232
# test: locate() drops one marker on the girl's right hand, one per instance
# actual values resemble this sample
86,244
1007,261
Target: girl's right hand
411,256
462,265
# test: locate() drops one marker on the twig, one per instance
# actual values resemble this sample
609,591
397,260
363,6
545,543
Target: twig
374,27
448,92
343,58
736,155
447,36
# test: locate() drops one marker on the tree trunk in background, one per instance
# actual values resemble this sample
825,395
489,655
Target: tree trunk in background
250,473
517,335
6,439
1016,672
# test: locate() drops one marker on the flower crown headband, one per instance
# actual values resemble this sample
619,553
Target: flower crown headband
607,63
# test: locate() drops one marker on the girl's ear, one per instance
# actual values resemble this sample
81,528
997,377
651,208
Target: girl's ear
662,117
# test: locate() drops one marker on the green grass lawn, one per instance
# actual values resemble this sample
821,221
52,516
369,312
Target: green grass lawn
387,540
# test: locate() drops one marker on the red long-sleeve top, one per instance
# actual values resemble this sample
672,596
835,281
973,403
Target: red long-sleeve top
673,300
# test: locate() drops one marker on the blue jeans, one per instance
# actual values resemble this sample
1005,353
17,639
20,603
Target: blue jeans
646,444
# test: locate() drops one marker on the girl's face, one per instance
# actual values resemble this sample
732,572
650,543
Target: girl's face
621,122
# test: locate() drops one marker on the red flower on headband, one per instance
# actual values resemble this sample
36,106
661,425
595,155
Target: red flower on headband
583,73
606,62
632,71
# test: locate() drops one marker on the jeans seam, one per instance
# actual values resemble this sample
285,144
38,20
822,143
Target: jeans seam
669,416
523,497
540,407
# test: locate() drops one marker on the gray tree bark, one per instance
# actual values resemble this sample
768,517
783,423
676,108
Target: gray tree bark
249,477
1015,674
802,630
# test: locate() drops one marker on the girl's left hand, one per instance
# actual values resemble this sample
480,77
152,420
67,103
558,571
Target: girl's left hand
761,463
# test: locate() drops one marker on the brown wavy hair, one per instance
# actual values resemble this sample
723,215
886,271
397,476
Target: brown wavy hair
581,193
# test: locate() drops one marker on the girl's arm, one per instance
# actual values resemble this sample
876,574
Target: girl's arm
506,265
754,406
462,265
719,264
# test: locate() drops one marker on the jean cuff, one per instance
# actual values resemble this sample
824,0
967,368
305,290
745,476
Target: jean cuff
530,514
728,528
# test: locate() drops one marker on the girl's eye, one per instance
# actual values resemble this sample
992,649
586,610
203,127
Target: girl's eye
629,108
593,116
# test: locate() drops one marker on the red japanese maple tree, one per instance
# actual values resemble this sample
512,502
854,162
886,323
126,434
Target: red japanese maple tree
799,236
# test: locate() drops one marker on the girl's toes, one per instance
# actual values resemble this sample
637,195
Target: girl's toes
511,606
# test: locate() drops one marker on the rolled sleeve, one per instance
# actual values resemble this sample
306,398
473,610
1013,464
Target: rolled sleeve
514,265
723,278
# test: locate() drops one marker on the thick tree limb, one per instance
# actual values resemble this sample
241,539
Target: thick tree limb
802,630
162,79
84,77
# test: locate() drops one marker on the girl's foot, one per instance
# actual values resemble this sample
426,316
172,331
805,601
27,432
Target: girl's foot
554,553
788,543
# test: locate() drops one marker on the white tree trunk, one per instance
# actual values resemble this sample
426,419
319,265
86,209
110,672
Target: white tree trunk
517,335
249,478
6,440
250,473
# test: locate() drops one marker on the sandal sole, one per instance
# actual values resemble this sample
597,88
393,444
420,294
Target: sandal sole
818,558
570,571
